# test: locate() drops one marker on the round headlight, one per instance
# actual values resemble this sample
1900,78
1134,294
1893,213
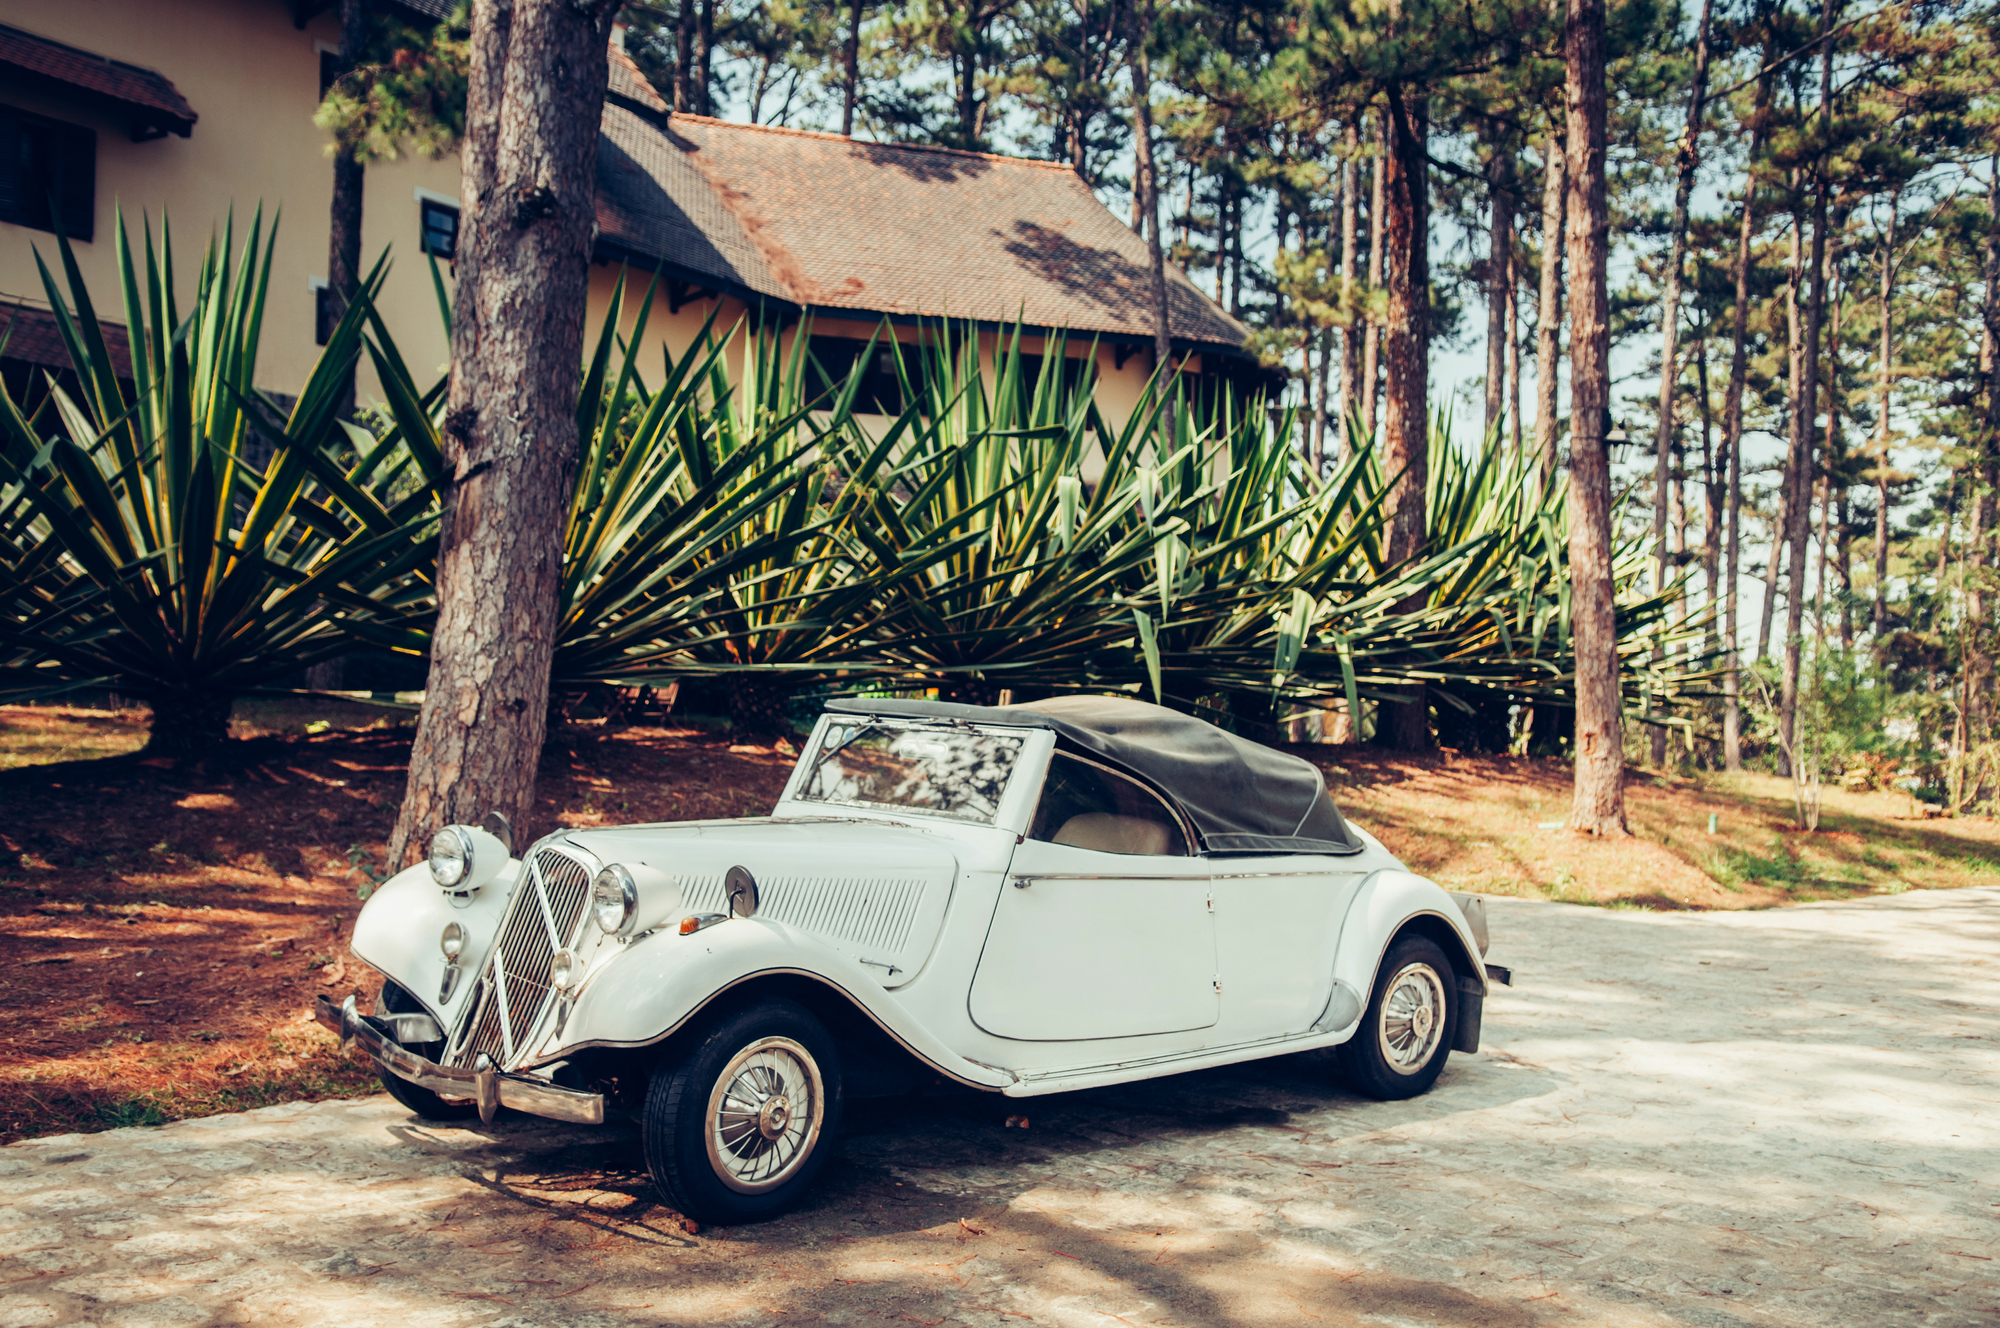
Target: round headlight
451,856
452,942
614,898
562,970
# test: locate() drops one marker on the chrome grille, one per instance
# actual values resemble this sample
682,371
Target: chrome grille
513,997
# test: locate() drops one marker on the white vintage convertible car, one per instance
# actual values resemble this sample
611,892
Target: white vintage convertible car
1022,899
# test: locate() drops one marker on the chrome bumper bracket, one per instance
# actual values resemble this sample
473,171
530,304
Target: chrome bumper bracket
489,1087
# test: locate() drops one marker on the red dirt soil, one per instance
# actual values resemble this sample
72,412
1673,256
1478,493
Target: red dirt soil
165,926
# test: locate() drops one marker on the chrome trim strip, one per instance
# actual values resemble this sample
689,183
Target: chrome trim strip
1100,876
570,1049
500,994
490,1088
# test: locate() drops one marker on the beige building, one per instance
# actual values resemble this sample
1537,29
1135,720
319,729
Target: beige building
199,108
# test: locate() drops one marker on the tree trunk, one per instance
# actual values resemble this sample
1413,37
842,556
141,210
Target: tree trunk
1406,419
1805,411
536,94
1879,620
1833,557
1499,279
1137,26
1236,252
194,723
1732,440
1371,337
1548,332
968,98
1324,339
1350,340
1773,576
1714,498
1670,309
1513,356
851,67
1599,806
705,60
1977,657
343,256
759,706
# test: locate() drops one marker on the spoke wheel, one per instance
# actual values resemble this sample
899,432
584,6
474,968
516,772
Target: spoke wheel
764,1115
1412,1019
737,1127
1405,1038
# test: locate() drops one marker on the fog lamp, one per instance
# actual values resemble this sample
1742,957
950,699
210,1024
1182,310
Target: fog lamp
452,942
562,970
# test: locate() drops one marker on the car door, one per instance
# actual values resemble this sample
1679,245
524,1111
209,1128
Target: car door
1103,929
1277,924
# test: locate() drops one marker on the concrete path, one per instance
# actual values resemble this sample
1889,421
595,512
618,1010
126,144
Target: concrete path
1719,1119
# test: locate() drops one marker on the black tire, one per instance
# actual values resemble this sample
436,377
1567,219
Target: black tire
395,999
1405,1038
424,1102
727,1167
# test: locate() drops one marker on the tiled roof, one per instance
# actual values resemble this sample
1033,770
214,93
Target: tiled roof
32,336
630,87
438,10
155,105
833,223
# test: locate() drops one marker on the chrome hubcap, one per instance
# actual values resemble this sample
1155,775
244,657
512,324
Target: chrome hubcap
1412,1024
764,1115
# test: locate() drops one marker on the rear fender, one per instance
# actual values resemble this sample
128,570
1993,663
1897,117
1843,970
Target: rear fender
653,987
1389,903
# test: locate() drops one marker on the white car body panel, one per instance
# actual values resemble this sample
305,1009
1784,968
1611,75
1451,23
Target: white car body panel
1086,945
1006,963
398,931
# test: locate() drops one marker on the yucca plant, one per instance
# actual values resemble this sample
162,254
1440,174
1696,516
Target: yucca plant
712,531
1025,557
145,548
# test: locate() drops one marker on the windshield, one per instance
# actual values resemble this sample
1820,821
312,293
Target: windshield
937,769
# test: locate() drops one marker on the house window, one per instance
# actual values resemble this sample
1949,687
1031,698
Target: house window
1074,367
881,390
440,228
48,171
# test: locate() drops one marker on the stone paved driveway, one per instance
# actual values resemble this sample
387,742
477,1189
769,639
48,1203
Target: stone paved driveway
1753,1118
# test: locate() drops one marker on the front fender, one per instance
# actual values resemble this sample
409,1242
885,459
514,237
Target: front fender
398,930
1386,902
655,985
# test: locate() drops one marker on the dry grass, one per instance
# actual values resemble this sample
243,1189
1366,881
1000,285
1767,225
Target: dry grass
1488,824
165,926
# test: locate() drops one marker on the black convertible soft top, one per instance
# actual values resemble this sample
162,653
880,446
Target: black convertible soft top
1241,796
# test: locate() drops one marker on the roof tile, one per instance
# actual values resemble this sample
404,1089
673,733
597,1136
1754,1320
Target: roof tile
882,228
152,96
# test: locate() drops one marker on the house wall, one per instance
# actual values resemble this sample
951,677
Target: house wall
1118,386
253,79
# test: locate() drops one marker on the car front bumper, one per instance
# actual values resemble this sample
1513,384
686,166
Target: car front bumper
492,1089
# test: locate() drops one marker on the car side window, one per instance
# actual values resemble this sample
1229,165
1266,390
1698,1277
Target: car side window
1085,805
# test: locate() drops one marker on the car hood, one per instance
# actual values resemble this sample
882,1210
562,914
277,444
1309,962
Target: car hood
873,890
